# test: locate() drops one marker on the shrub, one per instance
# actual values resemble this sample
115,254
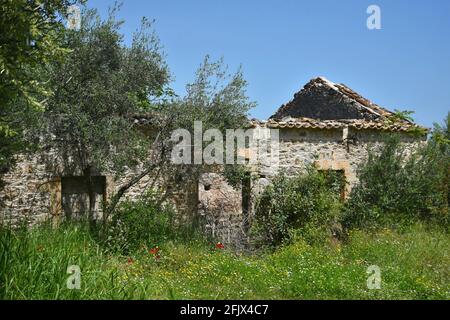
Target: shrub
395,188
305,205
136,223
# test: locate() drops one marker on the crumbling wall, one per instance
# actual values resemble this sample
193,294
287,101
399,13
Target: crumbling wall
33,193
220,209
29,192
336,149
183,195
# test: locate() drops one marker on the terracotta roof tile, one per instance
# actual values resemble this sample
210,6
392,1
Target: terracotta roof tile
358,124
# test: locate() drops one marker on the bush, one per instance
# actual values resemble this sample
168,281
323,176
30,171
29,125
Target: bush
136,223
305,205
396,188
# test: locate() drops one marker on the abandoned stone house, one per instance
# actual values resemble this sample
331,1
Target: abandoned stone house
325,124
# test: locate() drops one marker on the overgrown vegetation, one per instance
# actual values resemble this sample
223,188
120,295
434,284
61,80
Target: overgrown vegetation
87,88
414,265
30,36
147,223
96,131
98,88
307,205
396,187
146,255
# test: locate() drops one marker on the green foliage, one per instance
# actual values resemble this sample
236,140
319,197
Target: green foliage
235,174
103,85
33,263
145,222
399,188
402,115
30,39
440,143
307,204
98,88
441,134
216,97
218,100
413,264
405,116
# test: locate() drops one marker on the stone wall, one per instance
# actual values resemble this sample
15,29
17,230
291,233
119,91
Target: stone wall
220,210
30,193
183,196
336,149
33,193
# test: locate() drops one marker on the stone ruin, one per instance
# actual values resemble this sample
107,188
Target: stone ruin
325,124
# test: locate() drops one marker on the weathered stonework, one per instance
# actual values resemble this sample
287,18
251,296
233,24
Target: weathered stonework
36,192
220,208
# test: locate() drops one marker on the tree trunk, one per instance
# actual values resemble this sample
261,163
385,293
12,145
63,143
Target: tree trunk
116,198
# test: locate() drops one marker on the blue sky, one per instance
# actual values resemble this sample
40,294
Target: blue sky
283,44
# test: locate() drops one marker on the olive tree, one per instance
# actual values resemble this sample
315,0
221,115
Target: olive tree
103,86
218,100
98,87
30,38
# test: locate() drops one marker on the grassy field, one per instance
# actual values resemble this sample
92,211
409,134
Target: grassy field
414,264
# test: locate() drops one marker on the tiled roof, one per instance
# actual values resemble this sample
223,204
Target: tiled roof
325,100
322,104
328,106
370,106
358,124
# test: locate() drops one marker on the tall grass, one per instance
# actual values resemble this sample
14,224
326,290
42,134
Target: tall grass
33,263
413,263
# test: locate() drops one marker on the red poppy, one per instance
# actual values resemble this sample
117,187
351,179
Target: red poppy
157,257
219,245
130,260
154,250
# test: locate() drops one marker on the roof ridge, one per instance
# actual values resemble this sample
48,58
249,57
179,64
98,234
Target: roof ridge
345,95
353,95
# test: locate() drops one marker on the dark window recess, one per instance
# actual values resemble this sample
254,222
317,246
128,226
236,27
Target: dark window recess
79,185
207,187
75,195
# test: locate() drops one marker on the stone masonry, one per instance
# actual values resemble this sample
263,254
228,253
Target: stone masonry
326,124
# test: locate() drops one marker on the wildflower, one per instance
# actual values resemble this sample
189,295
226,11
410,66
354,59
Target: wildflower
130,260
154,250
40,248
157,257
219,245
